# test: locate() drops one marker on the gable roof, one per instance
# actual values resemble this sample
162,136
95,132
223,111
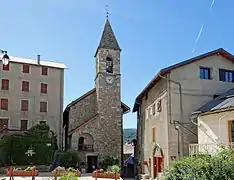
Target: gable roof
125,108
34,62
82,125
168,69
222,102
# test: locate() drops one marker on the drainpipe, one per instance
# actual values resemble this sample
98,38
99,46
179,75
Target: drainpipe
140,124
178,136
181,106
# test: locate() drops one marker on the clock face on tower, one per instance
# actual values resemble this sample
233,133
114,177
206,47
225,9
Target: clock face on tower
109,79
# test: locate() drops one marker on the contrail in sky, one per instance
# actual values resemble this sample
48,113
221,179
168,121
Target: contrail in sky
202,27
200,32
212,4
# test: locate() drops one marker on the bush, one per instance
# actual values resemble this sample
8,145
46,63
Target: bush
68,159
110,161
115,169
15,147
203,167
70,176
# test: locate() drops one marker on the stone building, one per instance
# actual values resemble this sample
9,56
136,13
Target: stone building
165,105
93,122
31,93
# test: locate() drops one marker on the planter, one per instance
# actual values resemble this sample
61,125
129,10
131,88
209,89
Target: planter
106,175
61,173
11,172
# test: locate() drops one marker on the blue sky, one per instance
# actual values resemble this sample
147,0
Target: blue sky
152,34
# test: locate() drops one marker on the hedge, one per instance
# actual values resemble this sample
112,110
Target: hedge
204,167
14,147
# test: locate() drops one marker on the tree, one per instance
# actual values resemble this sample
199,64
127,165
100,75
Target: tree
204,167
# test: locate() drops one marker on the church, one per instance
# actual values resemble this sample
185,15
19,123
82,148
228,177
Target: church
93,123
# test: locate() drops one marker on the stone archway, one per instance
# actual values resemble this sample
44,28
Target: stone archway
85,142
157,148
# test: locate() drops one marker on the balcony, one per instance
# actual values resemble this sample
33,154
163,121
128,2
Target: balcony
195,149
85,147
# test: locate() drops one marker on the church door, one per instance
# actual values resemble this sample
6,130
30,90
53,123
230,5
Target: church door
92,161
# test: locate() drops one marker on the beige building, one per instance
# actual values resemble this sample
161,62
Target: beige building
215,124
165,105
31,92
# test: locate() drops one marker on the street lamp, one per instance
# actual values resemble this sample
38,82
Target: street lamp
5,58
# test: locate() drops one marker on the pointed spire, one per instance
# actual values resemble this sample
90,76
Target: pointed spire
108,40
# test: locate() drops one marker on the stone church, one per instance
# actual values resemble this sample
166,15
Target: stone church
93,123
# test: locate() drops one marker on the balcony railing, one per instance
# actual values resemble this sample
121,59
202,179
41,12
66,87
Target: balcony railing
195,149
85,147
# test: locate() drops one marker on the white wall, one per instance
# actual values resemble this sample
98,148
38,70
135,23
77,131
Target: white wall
213,128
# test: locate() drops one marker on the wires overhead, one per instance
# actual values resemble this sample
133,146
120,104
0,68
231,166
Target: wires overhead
202,27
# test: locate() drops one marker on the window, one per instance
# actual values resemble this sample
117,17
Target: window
109,65
5,84
6,67
153,134
4,104
231,131
159,106
25,68
146,96
43,88
153,109
3,123
146,114
43,106
24,105
24,125
226,76
25,86
205,73
42,122
44,71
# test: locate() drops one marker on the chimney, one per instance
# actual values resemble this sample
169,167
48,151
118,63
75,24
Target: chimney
38,59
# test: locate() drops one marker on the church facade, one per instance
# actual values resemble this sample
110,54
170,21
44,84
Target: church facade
93,123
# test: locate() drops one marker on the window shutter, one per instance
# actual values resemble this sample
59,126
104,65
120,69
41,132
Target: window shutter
153,109
153,134
159,105
229,131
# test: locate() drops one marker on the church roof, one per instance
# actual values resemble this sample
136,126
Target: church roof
82,125
108,39
125,108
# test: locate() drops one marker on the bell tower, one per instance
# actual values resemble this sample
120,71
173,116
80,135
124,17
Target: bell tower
107,82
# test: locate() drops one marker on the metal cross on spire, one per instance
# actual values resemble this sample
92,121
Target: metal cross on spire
107,12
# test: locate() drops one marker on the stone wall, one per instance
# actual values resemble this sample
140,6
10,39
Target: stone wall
82,111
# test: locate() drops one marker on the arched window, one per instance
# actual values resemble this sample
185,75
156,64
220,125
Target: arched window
109,65
81,143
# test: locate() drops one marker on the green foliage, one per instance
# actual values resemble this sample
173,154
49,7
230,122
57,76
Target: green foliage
70,176
115,169
129,134
203,167
68,159
14,148
39,129
110,161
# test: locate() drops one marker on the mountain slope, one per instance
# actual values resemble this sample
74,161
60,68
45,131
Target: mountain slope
129,134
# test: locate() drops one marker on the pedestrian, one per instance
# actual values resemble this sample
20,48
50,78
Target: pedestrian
93,166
